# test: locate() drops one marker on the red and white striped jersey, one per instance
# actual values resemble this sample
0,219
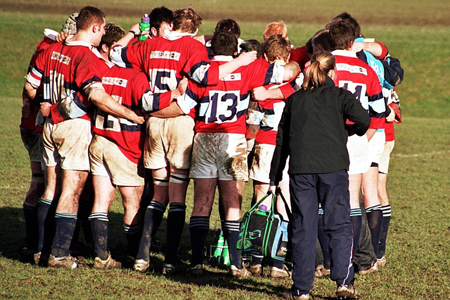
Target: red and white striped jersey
128,87
68,72
223,107
166,60
29,123
357,77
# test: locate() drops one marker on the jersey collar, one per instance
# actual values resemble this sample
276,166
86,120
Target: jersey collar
344,53
222,58
175,35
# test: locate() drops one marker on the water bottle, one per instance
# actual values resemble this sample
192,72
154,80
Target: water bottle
262,207
144,26
219,245
225,257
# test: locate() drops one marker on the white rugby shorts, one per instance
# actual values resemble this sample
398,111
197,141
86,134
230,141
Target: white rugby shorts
262,159
219,155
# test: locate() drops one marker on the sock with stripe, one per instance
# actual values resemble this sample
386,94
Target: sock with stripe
158,214
31,226
42,211
257,259
199,228
175,225
323,241
231,234
355,217
65,226
154,211
374,219
133,234
99,224
386,209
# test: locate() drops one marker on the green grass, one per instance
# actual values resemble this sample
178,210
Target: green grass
419,181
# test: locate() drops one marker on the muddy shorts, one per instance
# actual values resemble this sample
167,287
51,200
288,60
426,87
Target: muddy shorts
108,160
262,159
67,143
219,155
169,141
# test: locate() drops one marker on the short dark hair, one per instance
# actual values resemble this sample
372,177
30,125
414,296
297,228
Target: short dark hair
187,20
224,43
113,33
89,15
252,45
160,15
341,35
350,18
322,37
228,25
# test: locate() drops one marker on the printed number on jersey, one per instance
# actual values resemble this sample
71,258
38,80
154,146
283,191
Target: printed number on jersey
162,80
223,107
358,90
105,121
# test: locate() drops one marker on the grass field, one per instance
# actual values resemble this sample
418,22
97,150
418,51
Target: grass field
419,181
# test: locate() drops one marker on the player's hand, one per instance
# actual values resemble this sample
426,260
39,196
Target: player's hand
246,58
45,109
182,85
260,93
26,109
272,189
62,36
391,116
136,117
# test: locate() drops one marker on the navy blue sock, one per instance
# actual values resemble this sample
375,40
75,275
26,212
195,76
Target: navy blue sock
199,228
31,226
99,225
386,209
154,211
324,241
231,234
277,263
133,234
65,226
175,225
42,212
374,219
355,217
257,259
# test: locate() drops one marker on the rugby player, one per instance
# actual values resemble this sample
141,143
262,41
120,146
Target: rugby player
219,152
166,61
71,76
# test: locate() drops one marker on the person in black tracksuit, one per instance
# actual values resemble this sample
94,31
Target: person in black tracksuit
313,133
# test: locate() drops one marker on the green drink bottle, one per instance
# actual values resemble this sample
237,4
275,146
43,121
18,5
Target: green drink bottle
144,26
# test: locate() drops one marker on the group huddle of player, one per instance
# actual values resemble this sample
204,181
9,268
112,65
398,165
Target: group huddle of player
104,108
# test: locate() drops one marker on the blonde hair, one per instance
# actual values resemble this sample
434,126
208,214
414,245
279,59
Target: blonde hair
321,64
275,28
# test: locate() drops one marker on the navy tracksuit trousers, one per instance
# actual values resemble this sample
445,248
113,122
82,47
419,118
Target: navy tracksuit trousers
307,190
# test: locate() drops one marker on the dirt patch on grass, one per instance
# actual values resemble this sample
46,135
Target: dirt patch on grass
210,13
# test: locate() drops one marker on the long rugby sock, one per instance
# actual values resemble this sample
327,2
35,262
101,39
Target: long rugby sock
154,211
99,225
386,209
175,225
133,234
257,259
374,219
231,234
324,241
31,226
199,228
42,212
158,213
355,216
65,226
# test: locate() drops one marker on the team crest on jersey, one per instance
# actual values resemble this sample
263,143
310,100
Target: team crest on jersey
165,55
61,58
115,81
351,69
232,77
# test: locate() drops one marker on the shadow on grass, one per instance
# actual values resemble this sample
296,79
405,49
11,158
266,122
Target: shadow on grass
12,236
